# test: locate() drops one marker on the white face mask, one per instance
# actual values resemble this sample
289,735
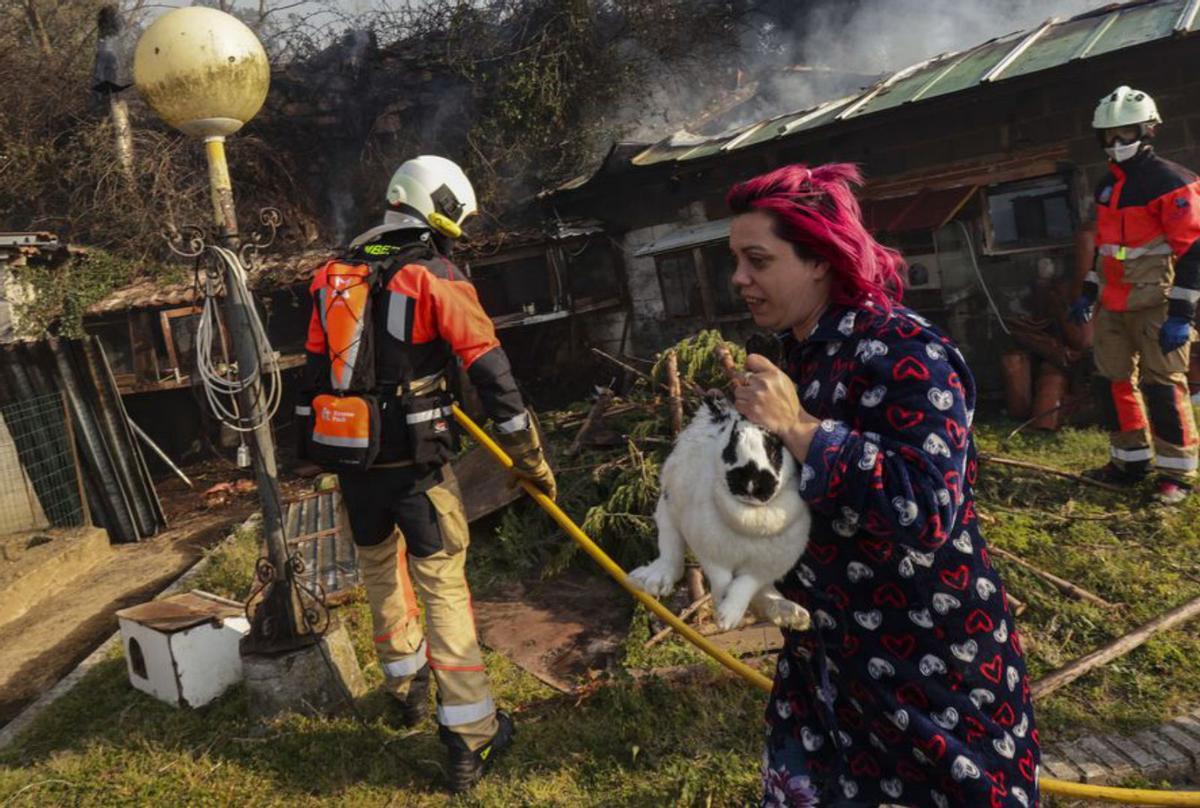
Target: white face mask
1123,151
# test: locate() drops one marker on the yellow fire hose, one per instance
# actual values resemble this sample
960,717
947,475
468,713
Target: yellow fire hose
1062,788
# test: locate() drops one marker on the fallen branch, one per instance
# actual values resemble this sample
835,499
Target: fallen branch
691,386
1063,676
684,615
1018,606
1070,475
673,393
595,413
725,357
1065,586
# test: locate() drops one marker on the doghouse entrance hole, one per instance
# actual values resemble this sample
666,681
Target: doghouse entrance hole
137,660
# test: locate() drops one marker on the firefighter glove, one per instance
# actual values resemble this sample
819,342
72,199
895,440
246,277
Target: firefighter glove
529,462
1174,334
1081,310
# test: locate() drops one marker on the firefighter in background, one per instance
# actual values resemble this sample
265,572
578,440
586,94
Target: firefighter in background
1146,278
389,320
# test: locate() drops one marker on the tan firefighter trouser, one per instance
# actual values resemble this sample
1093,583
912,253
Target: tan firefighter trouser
449,645
1128,355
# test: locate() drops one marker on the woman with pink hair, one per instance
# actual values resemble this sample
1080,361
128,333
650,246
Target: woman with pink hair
910,688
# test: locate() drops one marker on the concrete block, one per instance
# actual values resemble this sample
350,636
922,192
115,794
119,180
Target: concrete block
301,681
1119,765
1142,759
1171,761
1058,767
1093,771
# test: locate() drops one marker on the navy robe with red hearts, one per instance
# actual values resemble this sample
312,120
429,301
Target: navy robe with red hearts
911,686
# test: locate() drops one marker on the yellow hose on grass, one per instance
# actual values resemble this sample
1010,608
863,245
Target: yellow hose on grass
1062,788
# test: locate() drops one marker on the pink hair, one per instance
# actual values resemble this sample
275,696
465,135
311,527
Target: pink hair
816,211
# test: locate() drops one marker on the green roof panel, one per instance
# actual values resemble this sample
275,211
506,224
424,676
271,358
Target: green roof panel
1137,25
965,72
1055,47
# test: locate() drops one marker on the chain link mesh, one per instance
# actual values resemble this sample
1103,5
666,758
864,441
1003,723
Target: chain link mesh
39,480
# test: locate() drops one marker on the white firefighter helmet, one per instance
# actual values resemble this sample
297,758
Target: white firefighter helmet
1125,106
437,189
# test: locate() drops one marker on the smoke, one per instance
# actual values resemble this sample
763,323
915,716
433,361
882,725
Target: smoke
793,56
887,35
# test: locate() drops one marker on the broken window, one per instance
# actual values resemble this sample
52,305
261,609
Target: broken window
1029,214
179,332
118,349
592,273
520,285
679,283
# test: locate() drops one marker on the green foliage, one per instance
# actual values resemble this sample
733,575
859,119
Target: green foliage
230,568
697,360
56,297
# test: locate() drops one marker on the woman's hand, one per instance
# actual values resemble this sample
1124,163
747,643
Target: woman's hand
768,397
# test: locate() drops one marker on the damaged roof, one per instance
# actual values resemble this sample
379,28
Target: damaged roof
1054,43
268,272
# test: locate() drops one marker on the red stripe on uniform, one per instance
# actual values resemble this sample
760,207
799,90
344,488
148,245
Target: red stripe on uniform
1183,407
1130,416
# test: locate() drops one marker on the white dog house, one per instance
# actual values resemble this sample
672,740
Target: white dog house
184,649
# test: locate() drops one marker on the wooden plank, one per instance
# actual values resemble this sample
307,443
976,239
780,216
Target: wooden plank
1171,761
756,639
486,486
1092,771
1142,759
1059,767
1113,760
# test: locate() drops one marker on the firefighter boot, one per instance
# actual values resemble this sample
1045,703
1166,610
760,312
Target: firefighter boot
468,766
1115,475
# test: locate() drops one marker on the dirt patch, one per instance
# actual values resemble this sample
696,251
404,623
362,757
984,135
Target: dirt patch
44,644
559,629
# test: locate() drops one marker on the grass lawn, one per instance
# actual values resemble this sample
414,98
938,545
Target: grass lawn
627,743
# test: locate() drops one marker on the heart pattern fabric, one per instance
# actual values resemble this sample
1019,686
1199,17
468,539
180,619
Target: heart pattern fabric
911,686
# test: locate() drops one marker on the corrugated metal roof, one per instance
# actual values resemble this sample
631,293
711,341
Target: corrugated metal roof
693,235
1052,44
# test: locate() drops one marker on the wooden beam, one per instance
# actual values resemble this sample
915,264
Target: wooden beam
1118,648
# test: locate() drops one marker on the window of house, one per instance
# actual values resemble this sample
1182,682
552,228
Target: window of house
522,285
1029,214
118,348
179,332
592,273
679,284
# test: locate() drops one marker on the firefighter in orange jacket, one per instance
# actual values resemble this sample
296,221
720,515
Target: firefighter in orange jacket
1147,282
389,319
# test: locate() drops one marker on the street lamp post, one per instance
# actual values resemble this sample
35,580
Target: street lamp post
205,73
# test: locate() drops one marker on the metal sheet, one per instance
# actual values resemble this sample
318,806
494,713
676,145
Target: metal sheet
1138,25
687,237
